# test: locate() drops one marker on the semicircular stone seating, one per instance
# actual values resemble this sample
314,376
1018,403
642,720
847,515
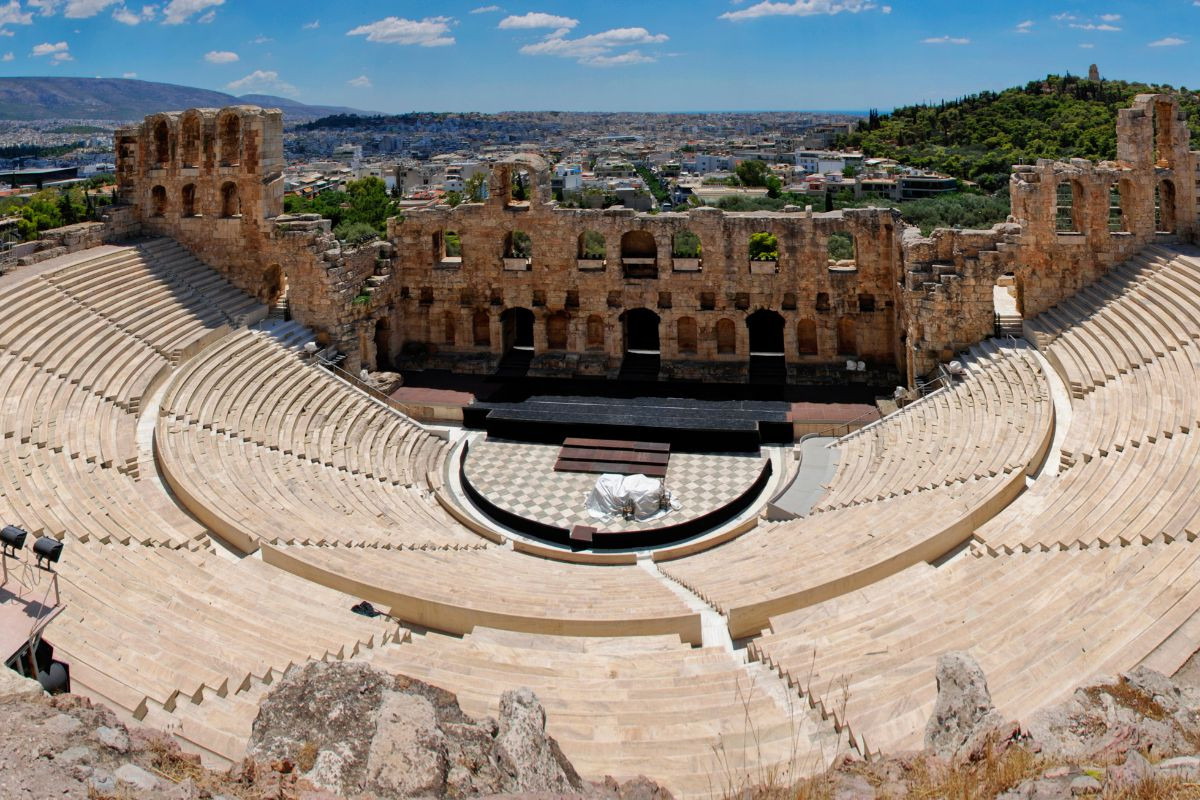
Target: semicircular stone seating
206,559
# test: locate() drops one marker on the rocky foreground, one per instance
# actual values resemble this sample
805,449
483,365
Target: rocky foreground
344,730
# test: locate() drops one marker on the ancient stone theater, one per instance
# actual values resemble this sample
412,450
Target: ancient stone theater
629,518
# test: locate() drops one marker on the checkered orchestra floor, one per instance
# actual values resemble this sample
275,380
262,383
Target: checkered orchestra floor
520,478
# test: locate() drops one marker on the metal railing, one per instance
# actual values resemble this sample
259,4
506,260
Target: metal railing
359,383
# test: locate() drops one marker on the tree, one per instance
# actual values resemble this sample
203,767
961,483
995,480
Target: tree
849,171
474,189
764,247
453,199
774,186
752,172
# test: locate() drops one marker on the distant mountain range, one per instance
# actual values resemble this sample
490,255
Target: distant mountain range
124,99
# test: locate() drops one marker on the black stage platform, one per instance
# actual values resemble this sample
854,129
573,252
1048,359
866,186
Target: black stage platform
685,423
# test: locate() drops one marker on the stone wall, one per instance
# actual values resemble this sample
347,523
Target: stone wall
902,303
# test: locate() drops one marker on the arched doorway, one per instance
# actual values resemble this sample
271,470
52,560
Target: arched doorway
640,326
767,361
383,345
766,333
516,325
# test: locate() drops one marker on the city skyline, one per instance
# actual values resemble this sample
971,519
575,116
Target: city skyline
577,56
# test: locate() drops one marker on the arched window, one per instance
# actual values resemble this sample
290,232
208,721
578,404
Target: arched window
556,331
230,140
158,201
518,251
847,337
481,325
231,204
1118,219
639,254
592,250
686,334
763,250
188,200
1069,207
162,143
595,332
1164,207
726,337
806,337
190,139
840,251
686,251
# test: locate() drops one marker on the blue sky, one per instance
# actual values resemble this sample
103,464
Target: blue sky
652,55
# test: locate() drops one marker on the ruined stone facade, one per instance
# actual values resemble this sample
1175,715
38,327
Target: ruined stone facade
577,290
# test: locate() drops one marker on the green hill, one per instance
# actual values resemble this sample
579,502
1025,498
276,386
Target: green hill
980,137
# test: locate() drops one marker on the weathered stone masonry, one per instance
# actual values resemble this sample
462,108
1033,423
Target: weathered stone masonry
212,180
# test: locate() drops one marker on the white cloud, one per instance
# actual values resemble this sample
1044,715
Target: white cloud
493,9
428,32
127,17
11,14
207,17
179,11
220,57
6,32
1110,17
130,75
361,82
82,9
49,49
312,26
624,59
1170,41
1024,27
946,40
8,57
45,7
261,81
537,19
801,8
260,39
1087,46
1092,26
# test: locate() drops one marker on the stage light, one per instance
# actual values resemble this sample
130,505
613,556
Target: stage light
12,539
47,550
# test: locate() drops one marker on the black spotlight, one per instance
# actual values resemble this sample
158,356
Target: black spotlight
47,550
12,539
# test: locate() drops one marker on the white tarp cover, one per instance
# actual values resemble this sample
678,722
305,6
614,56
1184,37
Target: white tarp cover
612,492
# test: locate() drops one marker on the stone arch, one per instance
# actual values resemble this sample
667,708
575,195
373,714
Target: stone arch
639,254
592,247
841,250
383,344
481,328
557,325
516,327
687,335
187,200
1164,206
158,201
726,335
686,250
447,248
641,330
595,332
189,139
518,245
161,138
763,251
229,133
231,204
847,337
274,285
806,337
1069,206
1120,194
765,330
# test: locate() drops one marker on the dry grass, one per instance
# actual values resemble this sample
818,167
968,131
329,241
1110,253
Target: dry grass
995,773
1159,789
1125,694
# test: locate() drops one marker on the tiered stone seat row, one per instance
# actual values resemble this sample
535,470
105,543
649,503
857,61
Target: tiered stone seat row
1139,311
995,420
1158,399
42,408
1140,494
254,386
249,493
457,590
159,293
53,494
783,566
148,626
1038,623
695,719
47,329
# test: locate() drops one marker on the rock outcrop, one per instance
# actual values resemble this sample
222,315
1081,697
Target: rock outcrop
355,731
963,717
